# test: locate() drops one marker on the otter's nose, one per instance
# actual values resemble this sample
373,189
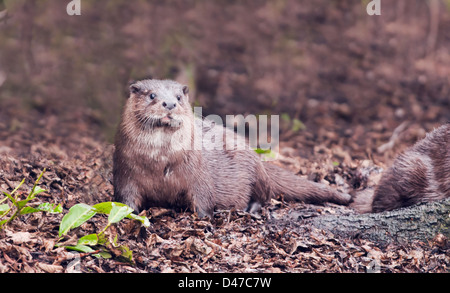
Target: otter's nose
169,106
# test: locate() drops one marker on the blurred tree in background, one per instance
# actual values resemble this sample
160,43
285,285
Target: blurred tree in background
325,63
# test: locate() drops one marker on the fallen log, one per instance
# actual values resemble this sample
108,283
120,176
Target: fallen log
419,222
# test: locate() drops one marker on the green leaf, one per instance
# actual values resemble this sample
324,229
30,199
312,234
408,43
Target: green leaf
126,253
285,117
91,239
266,154
104,254
118,212
102,240
77,215
21,203
28,210
80,248
298,125
43,207
37,190
58,209
114,243
261,151
142,219
4,207
10,197
105,207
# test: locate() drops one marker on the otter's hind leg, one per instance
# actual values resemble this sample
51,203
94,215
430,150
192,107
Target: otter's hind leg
262,191
202,197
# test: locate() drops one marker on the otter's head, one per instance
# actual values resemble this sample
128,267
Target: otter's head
159,103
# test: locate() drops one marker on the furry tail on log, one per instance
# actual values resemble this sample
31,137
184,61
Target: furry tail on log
294,188
420,174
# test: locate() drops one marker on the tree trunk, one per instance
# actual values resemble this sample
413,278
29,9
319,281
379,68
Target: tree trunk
418,222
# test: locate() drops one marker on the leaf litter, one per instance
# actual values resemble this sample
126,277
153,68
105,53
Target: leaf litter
350,91
178,241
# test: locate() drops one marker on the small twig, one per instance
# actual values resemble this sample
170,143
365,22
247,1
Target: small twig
394,137
9,183
214,245
434,26
70,256
37,181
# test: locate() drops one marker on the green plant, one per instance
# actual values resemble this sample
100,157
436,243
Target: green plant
295,124
266,155
12,201
81,213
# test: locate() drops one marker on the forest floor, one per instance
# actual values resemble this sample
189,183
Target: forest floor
352,92
79,171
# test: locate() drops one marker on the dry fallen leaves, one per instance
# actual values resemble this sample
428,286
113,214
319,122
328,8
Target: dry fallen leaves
233,241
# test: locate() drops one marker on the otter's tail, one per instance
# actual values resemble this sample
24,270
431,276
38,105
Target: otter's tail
294,188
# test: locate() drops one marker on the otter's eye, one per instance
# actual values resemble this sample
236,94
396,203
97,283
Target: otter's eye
179,98
152,96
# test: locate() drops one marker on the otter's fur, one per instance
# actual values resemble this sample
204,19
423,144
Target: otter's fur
420,174
157,164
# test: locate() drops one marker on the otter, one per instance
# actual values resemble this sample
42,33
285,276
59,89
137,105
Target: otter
156,163
420,174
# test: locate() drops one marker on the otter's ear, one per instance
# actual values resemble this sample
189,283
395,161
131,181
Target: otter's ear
135,88
185,90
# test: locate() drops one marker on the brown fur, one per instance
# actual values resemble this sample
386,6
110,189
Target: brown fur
420,174
155,165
